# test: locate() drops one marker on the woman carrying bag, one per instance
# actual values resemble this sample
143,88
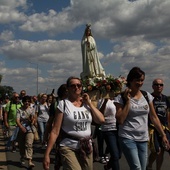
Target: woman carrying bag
132,115
25,121
74,116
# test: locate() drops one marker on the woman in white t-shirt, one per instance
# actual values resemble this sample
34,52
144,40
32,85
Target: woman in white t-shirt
110,132
132,116
74,116
42,113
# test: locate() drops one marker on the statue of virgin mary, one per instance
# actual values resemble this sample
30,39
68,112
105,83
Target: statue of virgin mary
91,64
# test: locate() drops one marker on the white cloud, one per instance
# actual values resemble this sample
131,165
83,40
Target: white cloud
13,3
44,51
111,19
152,58
6,35
57,59
137,34
52,22
9,12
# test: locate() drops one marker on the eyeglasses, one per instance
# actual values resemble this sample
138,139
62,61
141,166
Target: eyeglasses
16,97
159,85
75,85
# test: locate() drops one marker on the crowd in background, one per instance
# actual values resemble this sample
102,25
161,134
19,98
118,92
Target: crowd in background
23,115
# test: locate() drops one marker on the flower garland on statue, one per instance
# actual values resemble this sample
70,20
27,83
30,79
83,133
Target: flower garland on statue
104,84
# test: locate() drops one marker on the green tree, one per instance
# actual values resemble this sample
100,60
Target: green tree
6,90
0,78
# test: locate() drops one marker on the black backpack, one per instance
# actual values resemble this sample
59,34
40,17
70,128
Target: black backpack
144,93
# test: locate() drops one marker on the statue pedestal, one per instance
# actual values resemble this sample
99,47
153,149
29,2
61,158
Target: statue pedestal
94,96
107,95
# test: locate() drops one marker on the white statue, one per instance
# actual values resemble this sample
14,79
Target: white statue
91,64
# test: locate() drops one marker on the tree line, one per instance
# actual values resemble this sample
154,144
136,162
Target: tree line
5,90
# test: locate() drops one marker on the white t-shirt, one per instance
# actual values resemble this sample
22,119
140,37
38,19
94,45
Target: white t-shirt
24,116
135,126
76,122
109,115
43,112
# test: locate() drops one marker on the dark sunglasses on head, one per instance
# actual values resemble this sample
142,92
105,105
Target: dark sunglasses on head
75,85
158,85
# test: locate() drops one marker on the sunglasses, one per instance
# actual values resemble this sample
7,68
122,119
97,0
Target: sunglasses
16,97
159,85
27,101
75,85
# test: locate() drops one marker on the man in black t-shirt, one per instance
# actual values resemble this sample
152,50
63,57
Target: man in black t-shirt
162,108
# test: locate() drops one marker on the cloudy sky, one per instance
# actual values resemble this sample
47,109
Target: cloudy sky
45,36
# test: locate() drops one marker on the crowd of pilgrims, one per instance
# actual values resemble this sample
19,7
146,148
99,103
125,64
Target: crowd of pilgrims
23,113
29,118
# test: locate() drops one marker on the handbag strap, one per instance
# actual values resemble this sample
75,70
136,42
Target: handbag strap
103,106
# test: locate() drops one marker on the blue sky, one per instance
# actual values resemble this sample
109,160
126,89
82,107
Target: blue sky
48,34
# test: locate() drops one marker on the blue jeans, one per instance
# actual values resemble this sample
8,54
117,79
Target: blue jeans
111,139
100,143
11,139
135,152
42,126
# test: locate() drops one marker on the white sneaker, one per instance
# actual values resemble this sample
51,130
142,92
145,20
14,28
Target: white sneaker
107,158
102,160
22,160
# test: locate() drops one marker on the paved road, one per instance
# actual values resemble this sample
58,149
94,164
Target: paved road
3,163
14,164
12,160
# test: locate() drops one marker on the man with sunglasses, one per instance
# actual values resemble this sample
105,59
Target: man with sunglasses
10,118
162,108
22,94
